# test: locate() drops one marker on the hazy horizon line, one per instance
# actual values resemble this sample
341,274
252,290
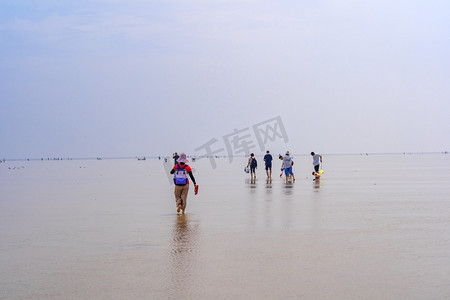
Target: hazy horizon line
142,157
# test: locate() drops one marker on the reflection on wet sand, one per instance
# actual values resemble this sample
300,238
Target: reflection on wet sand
287,188
287,205
317,183
268,207
184,246
253,202
239,239
316,206
251,183
269,183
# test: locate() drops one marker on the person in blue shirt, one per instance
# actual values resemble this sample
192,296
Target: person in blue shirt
268,159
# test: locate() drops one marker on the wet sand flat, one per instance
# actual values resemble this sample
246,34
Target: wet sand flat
375,227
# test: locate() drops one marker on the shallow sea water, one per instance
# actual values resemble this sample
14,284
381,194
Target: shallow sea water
375,227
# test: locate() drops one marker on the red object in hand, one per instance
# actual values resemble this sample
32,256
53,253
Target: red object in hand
196,189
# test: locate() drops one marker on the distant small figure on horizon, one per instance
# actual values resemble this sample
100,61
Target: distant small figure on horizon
175,158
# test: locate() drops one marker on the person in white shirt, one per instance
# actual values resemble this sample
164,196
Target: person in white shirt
317,160
287,165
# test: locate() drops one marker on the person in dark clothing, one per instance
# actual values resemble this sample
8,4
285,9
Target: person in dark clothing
175,158
268,159
253,164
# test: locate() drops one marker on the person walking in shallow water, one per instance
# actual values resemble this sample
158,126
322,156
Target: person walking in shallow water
287,165
181,171
268,160
317,160
253,164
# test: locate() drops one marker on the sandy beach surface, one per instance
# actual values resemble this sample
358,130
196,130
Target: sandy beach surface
375,227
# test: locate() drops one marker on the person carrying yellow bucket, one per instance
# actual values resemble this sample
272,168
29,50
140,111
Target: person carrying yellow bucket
317,160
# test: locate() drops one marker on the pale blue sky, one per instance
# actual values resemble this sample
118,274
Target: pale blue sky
126,78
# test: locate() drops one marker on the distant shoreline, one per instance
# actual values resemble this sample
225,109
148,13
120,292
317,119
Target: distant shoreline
144,157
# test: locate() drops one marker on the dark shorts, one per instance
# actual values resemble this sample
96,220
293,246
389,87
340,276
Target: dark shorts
252,169
316,168
268,166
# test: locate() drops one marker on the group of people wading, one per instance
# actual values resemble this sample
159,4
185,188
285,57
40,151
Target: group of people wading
182,171
287,164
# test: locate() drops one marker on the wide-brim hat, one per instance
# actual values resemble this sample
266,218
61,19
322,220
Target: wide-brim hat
182,158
